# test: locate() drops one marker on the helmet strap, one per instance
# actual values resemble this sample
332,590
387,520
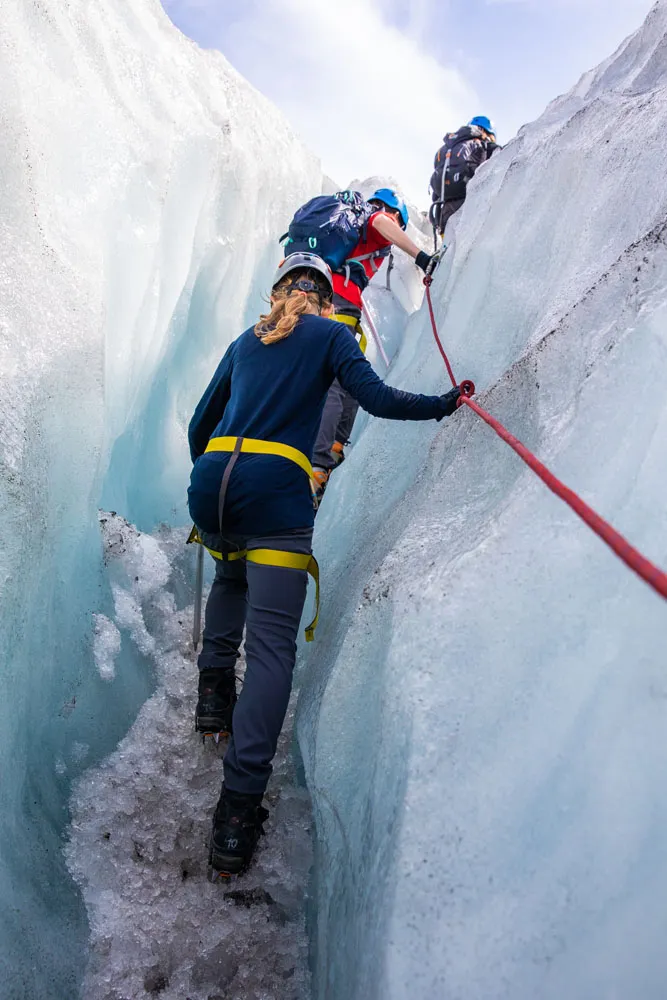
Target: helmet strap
304,286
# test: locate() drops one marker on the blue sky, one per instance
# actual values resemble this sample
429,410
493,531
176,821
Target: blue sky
372,85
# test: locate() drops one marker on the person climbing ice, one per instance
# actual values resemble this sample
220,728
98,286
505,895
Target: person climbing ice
455,165
251,440
375,226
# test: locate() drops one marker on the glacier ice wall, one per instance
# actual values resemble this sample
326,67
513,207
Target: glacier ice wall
483,716
143,185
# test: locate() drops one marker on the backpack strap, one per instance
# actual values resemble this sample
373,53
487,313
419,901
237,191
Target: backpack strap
375,255
372,257
347,270
448,156
362,257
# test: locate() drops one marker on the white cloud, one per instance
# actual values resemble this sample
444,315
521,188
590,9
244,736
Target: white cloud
628,13
365,96
359,81
618,7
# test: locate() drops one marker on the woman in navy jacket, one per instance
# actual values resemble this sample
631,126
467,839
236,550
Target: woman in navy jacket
251,440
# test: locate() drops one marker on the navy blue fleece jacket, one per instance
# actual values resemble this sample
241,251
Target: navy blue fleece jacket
276,392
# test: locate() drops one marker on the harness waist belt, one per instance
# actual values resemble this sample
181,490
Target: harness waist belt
256,447
356,326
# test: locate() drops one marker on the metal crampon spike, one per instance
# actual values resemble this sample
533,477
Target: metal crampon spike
216,737
215,876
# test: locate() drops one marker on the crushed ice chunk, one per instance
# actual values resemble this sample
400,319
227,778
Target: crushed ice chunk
106,646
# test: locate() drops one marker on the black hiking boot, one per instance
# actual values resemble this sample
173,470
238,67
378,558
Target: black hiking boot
215,706
237,826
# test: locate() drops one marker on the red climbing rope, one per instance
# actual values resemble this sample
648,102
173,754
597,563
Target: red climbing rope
427,281
632,558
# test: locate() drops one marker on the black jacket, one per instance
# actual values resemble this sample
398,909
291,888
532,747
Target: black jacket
457,160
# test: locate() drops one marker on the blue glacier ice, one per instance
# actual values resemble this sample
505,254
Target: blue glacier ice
139,217
481,721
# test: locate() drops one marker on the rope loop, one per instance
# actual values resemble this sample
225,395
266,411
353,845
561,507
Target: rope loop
467,389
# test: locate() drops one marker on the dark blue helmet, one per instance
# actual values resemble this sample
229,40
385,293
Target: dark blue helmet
391,200
483,122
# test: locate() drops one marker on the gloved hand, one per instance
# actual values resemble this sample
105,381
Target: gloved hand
449,400
424,261
428,263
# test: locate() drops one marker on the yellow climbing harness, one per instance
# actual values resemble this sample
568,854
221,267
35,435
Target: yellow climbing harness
269,557
356,326
256,447
273,557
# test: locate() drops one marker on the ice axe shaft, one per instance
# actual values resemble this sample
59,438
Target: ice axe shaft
376,335
199,588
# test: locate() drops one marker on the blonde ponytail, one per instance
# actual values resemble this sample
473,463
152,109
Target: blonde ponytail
288,305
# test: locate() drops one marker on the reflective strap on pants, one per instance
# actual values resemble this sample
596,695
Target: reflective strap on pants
356,326
278,558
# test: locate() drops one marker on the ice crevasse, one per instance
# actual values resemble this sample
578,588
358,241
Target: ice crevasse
482,716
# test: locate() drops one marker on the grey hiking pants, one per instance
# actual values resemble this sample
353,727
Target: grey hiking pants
340,409
268,602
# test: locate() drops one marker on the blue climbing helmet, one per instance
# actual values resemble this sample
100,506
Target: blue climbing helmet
483,122
392,200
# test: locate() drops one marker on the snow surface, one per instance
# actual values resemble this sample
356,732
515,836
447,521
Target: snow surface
483,719
144,185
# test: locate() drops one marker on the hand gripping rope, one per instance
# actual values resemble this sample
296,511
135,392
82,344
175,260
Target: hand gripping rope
632,558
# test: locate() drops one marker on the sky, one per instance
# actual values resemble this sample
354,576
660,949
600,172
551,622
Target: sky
372,85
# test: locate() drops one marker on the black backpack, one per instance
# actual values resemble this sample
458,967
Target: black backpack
456,162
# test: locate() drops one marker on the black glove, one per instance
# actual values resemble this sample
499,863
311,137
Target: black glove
449,401
424,261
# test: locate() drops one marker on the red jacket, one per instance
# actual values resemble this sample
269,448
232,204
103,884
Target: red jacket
373,243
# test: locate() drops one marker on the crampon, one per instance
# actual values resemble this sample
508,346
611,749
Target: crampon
215,705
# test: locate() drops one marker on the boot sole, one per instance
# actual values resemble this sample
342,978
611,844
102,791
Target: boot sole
225,866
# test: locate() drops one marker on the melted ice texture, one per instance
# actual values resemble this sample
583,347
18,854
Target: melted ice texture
482,716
